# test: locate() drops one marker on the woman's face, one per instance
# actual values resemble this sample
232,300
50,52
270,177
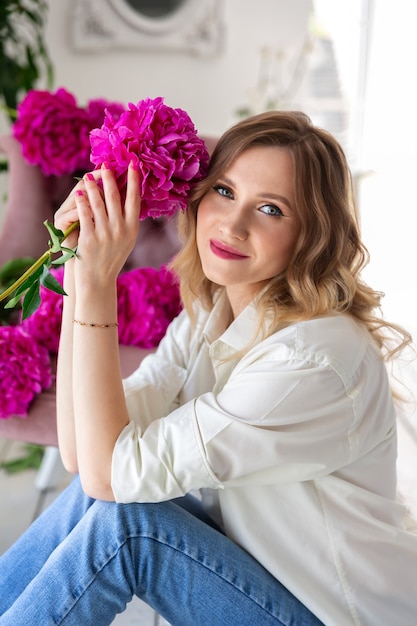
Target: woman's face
247,224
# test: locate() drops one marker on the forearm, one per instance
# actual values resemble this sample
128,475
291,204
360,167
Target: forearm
64,383
92,406
99,404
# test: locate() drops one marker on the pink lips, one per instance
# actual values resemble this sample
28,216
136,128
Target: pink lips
225,252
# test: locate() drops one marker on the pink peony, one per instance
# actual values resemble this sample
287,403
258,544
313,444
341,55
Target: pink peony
25,370
96,110
163,144
148,300
53,132
44,324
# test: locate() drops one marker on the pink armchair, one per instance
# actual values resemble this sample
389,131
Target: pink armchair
40,425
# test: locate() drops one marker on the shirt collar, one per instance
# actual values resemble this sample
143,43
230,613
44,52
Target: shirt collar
241,330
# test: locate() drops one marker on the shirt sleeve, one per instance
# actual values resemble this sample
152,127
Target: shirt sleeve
159,455
282,418
166,462
279,417
271,419
152,390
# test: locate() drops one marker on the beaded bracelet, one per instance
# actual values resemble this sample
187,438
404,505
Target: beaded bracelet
114,325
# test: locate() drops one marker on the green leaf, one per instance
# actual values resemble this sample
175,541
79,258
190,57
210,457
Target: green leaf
57,236
32,460
70,252
33,278
31,300
32,16
10,304
50,282
29,281
22,45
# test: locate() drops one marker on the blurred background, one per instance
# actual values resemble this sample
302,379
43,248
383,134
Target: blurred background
346,63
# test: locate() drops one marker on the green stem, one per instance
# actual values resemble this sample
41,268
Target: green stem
36,265
70,229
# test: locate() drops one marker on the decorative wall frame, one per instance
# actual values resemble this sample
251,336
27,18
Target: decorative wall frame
187,26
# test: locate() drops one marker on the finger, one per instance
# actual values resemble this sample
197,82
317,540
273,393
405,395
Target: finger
69,202
133,199
67,213
94,194
111,194
63,220
93,175
85,215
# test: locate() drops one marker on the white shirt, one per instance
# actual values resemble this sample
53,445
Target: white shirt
294,443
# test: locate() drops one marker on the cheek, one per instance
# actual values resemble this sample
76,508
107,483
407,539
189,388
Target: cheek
281,248
289,249
204,216
200,229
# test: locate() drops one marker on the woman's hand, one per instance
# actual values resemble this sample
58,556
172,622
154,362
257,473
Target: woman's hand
67,214
108,226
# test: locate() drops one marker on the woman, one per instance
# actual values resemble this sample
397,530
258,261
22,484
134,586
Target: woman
269,394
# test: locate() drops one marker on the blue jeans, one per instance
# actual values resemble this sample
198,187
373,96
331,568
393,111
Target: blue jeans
83,560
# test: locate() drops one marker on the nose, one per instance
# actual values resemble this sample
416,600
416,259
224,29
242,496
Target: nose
235,225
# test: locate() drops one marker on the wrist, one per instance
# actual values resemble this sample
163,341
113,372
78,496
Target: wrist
96,305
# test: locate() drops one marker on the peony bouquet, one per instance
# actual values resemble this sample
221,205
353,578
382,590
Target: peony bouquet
148,300
163,144
61,137
25,370
45,323
54,130
161,141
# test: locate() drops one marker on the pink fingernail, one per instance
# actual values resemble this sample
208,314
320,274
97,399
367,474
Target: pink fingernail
79,192
89,176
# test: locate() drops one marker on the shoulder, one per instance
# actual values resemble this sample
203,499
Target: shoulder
337,341
333,335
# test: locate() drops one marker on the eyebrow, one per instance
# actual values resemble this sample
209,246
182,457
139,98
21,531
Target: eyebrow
278,197
266,196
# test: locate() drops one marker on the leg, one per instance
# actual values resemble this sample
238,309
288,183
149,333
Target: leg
189,572
26,557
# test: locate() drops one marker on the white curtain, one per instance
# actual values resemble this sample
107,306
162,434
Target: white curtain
376,47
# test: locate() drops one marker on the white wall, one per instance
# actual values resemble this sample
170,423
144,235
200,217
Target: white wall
209,89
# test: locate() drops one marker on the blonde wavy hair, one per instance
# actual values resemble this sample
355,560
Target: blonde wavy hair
323,275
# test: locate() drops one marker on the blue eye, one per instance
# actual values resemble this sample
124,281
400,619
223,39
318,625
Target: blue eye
271,209
223,191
